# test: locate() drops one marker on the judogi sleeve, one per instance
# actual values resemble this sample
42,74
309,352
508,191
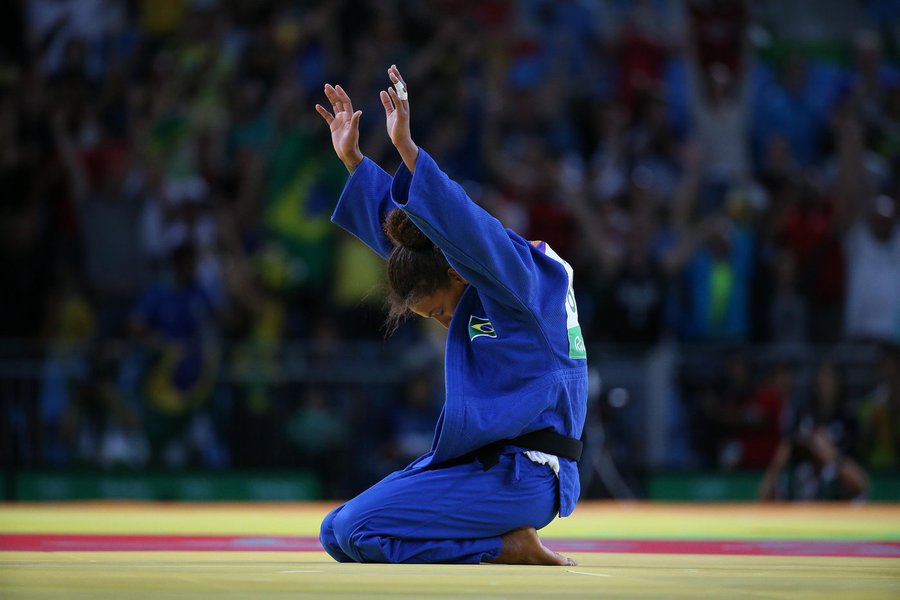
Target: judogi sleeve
364,205
497,261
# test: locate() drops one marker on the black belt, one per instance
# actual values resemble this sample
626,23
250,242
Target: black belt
545,440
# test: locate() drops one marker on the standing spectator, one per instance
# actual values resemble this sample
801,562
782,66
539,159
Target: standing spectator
873,257
719,93
114,263
872,242
175,322
792,111
718,279
809,233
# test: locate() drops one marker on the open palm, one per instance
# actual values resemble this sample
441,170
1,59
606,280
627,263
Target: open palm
344,125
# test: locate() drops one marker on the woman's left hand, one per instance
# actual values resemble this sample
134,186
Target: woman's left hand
396,112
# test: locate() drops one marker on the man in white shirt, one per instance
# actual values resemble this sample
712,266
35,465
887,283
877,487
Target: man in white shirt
872,246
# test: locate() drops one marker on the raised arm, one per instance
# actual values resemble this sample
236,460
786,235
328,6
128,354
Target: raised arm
366,198
499,263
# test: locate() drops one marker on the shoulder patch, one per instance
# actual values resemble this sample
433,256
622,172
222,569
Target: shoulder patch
479,326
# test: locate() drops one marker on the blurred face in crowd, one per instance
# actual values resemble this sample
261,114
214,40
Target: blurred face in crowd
719,83
883,217
441,304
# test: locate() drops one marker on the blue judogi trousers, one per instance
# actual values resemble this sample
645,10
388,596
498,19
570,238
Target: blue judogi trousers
452,514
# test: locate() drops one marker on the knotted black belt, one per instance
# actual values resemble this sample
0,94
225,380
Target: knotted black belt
545,440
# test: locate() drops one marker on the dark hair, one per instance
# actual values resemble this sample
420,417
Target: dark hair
415,268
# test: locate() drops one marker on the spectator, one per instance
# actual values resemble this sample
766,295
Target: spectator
131,132
175,322
792,112
719,94
717,280
114,264
809,233
808,466
756,424
320,435
879,417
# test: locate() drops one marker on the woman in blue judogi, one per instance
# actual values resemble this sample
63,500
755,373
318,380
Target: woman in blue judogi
503,460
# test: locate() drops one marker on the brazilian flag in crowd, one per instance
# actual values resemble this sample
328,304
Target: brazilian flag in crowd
302,188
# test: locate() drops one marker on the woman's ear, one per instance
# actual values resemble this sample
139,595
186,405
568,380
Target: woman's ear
454,276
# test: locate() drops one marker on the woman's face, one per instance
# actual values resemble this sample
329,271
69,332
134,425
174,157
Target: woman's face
441,305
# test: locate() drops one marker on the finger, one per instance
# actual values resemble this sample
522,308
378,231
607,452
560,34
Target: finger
345,99
332,96
394,73
325,114
394,76
386,102
396,99
354,120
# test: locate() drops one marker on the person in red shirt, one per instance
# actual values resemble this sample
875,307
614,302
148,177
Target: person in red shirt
759,421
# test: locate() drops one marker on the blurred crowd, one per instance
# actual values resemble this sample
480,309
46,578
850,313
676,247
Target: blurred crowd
718,173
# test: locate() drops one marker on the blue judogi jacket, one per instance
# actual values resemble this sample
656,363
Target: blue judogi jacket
515,360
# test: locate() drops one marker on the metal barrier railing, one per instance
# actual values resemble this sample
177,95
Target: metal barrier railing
353,368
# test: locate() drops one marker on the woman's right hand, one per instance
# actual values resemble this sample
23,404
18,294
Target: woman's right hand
396,112
344,125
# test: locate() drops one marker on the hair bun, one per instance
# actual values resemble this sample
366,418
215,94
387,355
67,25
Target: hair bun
403,232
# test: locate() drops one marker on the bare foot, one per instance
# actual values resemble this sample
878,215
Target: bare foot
523,547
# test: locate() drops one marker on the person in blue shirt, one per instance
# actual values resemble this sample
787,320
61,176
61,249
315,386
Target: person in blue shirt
503,461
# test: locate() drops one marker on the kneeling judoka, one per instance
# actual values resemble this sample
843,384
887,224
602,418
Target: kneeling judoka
503,461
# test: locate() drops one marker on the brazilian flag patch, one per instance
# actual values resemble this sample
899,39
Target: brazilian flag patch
479,326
